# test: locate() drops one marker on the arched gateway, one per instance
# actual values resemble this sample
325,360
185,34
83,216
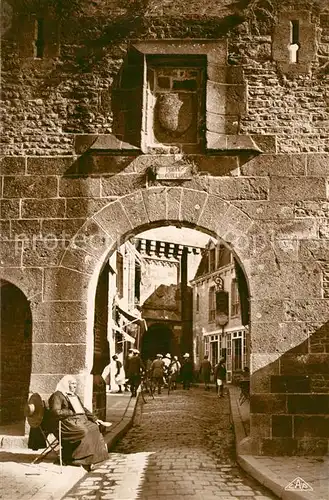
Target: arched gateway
15,363
64,303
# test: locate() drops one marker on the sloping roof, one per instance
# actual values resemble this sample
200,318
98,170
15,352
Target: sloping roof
165,297
204,263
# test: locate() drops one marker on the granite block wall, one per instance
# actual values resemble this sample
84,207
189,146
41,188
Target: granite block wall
71,191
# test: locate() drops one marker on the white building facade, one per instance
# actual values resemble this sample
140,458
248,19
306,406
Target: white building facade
231,341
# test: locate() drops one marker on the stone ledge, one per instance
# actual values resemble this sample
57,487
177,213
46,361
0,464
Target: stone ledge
13,442
102,143
231,144
226,144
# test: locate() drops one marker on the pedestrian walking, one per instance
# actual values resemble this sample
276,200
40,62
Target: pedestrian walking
134,368
157,372
205,372
126,367
120,376
106,376
148,365
220,377
167,362
186,371
174,369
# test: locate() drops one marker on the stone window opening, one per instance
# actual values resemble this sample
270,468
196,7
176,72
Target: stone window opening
39,40
175,102
294,41
294,45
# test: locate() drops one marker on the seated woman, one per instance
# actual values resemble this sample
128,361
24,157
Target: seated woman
82,441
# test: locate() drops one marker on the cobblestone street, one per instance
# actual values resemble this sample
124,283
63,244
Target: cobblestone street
180,446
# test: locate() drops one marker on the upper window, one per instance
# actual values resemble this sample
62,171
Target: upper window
212,304
212,260
39,41
224,256
119,275
235,300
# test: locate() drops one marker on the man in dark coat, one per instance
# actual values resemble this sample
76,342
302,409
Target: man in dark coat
186,371
205,372
220,377
134,368
157,372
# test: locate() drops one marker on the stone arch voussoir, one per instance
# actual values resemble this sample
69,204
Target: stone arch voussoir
28,280
151,207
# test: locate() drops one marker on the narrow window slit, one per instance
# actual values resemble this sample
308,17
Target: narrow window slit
39,38
294,41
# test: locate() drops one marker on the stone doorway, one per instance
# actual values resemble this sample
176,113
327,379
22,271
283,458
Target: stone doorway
161,336
101,354
157,339
16,358
103,233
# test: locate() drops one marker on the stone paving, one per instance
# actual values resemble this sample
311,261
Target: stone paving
181,446
22,480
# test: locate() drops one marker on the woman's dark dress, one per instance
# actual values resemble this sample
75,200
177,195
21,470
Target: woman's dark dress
82,442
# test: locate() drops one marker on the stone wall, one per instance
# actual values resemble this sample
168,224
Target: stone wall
71,88
281,247
68,200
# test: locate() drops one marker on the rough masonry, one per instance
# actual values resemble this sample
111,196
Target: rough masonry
85,92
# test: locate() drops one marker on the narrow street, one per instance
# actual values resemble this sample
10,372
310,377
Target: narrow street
180,446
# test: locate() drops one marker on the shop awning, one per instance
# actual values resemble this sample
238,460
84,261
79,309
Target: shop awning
131,318
127,314
125,335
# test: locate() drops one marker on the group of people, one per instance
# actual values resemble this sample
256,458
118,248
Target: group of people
219,372
163,368
127,374
157,371
168,369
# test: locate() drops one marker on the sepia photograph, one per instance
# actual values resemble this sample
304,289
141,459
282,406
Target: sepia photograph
164,250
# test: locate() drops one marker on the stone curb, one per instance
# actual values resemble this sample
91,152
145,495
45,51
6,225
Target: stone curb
13,442
122,427
255,469
271,481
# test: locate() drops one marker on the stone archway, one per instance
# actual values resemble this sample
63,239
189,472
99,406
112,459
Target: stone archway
274,275
16,357
82,262
157,339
